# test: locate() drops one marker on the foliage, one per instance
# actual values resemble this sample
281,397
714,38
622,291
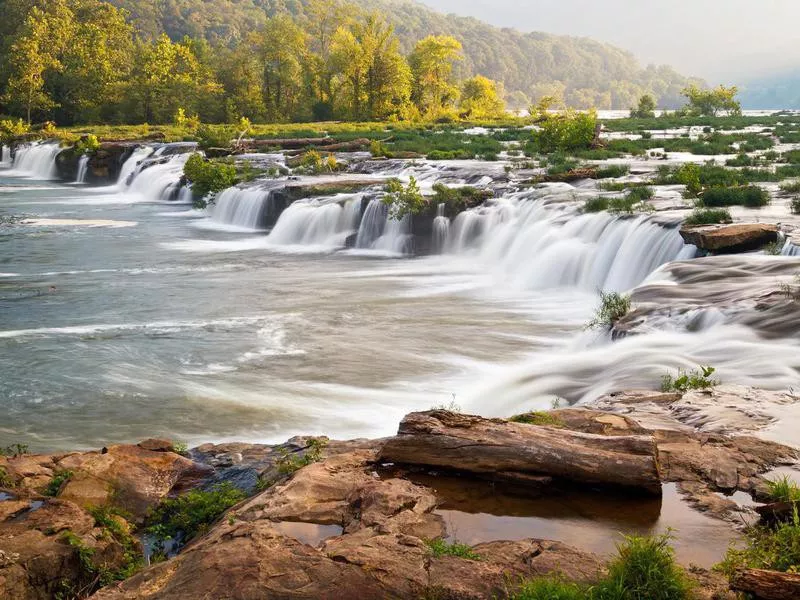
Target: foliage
645,109
6,481
704,102
644,569
440,547
113,523
594,205
795,206
458,199
208,177
566,131
432,62
783,489
215,137
289,463
773,548
193,513
611,171
403,200
480,99
538,418
10,129
613,306
14,450
708,216
751,196
88,144
53,487
790,187
687,381
689,175
550,588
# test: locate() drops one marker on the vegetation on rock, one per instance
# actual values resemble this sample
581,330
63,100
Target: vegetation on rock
208,177
708,216
699,379
613,306
403,200
440,547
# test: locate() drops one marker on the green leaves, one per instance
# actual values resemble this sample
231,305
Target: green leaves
208,177
403,200
698,379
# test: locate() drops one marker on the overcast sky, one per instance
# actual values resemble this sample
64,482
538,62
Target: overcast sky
720,40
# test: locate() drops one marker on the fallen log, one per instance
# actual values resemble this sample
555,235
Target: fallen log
287,142
490,447
767,585
339,147
777,511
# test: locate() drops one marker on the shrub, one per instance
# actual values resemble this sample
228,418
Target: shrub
641,193
440,547
566,131
402,200
632,202
191,515
644,569
538,418
612,171
550,588
88,144
783,489
751,196
208,177
613,306
10,130
645,109
795,205
289,463
53,487
215,136
790,187
692,380
14,450
459,198
6,481
773,548
594,205
113,523
689,175
708,216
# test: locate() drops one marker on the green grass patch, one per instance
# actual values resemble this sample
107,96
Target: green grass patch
775,548
595,205
541,418
612,171
684,381
440,547
794,206
54,486
790,187
783,489
550,588
708,216
751,196
613,306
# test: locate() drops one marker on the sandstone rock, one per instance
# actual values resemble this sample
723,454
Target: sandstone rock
488,446
730,238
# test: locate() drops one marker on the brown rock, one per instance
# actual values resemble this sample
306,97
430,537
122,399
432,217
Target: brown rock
730,238
155,445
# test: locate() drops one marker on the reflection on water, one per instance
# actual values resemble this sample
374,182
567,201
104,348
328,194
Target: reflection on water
307,533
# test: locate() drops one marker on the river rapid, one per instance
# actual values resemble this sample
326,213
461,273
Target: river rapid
124,315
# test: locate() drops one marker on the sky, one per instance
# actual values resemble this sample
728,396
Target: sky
723,41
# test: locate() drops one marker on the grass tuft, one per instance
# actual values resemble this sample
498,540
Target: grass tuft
440,547
692,380
613,306
540,418
783,489
709,216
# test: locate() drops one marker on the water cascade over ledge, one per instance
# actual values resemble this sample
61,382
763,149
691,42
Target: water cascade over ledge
37,160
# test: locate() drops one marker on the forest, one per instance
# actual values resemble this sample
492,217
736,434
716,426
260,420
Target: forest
88,61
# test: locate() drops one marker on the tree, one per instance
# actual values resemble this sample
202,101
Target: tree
283,52
432,66
709,103
480,99
646,108
566,131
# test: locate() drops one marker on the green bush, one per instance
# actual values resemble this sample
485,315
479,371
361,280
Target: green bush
289,463
708,216
6,481
53,487
403,200
88,144
612,171
458,199
215,136
208,177
550,588
193,513
440,547
751,196
772,548
613,306
644,569
594,205
783,489
566,131
692,380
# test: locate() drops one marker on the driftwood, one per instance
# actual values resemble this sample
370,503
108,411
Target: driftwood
767,585
497,449
777,511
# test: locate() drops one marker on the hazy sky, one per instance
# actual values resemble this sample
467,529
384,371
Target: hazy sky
720,40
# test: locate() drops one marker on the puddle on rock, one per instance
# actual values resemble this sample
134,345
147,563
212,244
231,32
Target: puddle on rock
590,519
5,496
307,533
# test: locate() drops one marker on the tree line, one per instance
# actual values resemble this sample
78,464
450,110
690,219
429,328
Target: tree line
83,61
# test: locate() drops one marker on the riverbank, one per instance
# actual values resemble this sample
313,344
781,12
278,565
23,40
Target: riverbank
317,518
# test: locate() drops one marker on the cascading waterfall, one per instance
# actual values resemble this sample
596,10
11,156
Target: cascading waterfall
372,224
441,230
247,208
536,246
5,156
325,222
83,167
37,160
159,182
132,165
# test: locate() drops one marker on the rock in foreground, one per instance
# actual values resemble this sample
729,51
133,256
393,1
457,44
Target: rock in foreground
730,238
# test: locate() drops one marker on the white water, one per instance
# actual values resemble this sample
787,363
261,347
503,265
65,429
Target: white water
83,166
241,207
441,230
36,160
318,222
5,156
158,182
132,165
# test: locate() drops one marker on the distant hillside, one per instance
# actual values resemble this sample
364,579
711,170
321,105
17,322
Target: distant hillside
776,91
587,72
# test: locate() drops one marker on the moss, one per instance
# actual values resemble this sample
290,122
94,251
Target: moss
538,418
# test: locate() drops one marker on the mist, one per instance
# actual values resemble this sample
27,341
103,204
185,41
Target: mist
725,41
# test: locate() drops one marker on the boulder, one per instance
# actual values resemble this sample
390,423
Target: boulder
740,237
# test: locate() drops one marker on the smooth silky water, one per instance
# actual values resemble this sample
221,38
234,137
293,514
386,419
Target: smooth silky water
127,315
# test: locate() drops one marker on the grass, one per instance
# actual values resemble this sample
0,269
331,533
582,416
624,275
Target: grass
54,486
14,450
113,523
613,306
595,205
697,379
440,547
630,203
790,187
783,489
708,216
751,196
541,418
644,569
193,513
795,206
612,171
6,480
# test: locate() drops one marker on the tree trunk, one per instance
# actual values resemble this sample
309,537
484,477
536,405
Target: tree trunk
498,449
767,585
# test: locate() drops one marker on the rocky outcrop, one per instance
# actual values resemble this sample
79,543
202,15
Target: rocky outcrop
498,449
740,237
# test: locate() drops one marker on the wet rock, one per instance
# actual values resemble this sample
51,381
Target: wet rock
730,238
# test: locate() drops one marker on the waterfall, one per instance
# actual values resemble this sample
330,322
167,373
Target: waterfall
247,208
372,224
441,230
790,248
159,181
5,156
379,232
132,165
83,166
326,222
537,246
37,160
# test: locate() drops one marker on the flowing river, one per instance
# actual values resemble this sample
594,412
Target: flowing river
126,315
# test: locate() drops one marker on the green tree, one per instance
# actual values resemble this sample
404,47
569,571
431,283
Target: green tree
283,52
709,103
480,99
241,73
432,64
646,108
